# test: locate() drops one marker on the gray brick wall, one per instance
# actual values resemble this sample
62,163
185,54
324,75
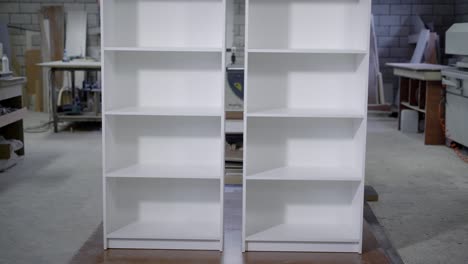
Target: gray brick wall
24,14
461,10
393,21
239,28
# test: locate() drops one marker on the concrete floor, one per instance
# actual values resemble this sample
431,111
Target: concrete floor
51,202
423,195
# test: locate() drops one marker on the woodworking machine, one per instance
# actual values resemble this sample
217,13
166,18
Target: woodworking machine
456,80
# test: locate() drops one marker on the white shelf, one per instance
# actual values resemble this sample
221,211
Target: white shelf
308,174
343,233
181,171
168,230
309,51
166,111
165,49
303,112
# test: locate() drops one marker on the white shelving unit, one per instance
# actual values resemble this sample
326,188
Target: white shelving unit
163,125
305,106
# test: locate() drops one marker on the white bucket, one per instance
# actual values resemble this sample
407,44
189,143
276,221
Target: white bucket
409,121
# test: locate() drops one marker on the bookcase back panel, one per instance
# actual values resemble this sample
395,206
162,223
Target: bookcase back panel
163,139
303,142
161,79
336,81
305,24
300,203
163,200
164,23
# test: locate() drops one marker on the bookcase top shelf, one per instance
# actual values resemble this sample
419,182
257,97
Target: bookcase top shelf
166,49
307,112
167,230
343,233
309,51
166,111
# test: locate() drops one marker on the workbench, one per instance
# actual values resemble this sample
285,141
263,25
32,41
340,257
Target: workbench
72,67
11,124
421,90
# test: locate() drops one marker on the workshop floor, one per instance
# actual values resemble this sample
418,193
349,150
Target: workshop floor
51,202
423,192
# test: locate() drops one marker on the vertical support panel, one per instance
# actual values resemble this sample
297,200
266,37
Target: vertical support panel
434,134
404,97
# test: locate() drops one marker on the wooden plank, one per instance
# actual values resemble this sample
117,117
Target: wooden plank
379,108
374,68
5,151
34,77
31,58
420,46
407,105
404,96
235,115
434,135
413,92
55,15
404,89
430,53
45,55
422,95
418,66
52,43
381,89
12,117
39,101
419,75
73,65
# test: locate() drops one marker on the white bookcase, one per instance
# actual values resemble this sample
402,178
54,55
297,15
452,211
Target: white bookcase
305,107
163,125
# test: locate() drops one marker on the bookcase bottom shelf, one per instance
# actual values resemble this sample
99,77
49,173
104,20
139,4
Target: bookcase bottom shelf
166,235
301,237
303,246
173,244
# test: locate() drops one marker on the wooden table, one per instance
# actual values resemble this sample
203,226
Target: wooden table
421,90
72,66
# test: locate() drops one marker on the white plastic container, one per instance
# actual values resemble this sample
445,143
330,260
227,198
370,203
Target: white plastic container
409,121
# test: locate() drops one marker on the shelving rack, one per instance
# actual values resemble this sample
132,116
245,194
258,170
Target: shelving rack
305,107
163,124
